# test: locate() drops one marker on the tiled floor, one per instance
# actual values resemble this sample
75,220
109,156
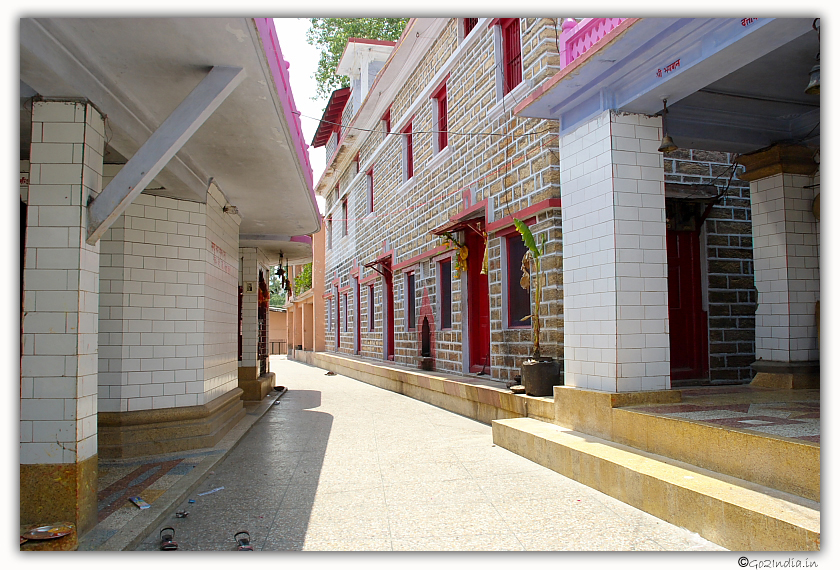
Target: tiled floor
339,464
786,413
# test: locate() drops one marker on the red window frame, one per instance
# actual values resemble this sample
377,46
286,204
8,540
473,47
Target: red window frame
518,299
511,53
371,308
346,314
469,24
411,301
442,126
386,118
445,284
409,151
344,214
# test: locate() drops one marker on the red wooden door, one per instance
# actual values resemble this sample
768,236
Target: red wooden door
479,305
689,342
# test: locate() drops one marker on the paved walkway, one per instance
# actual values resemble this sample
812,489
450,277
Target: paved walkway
338,464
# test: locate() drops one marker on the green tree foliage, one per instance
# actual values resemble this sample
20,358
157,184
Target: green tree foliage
330,35
303,282
277,297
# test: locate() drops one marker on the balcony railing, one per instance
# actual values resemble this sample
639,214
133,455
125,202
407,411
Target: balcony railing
586,34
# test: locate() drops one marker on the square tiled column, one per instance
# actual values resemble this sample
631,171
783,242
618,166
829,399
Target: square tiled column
787,268
614,255
58,411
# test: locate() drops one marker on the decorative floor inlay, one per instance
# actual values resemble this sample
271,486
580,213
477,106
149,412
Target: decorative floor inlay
761,410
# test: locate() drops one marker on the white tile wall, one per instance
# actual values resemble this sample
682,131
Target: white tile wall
168,308
786,254
614,257
61,279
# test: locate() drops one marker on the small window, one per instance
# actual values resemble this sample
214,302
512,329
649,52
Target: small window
371,308
410,313
344,310
386,121
329,316
469,24
344,215
519,299
511,53
408,153
440,118
445,285
369,181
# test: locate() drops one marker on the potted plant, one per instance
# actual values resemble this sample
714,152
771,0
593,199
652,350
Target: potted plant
539,374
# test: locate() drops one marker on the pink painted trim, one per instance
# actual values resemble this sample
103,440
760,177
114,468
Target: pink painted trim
301,239
418,258
466,212
278,67
588,35
540,91
369,278
529,212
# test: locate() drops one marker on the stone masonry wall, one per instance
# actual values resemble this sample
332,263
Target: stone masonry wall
732,296
508,161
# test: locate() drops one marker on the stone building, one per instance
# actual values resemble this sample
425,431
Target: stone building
163,173
430,142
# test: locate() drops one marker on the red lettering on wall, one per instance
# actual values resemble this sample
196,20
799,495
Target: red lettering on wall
747,21
668,68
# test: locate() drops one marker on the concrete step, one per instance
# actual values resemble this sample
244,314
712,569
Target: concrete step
786,464
735,513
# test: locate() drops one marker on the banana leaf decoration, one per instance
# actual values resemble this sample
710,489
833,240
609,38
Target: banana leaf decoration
532,258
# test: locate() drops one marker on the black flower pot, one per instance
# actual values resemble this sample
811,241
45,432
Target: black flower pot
540,377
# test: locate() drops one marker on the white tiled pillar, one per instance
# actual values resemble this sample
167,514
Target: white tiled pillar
614,255
61,281
787,268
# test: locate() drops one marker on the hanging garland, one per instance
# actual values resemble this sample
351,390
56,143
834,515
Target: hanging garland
448,240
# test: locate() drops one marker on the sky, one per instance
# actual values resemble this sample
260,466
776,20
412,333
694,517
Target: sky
303,61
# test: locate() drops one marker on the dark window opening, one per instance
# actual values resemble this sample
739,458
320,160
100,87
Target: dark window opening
445,284
519,299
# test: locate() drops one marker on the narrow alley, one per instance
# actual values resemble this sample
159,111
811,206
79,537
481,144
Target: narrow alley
340,465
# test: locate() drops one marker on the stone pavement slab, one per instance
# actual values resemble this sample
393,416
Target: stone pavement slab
340,465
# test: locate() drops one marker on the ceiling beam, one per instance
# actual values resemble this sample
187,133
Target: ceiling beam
156,152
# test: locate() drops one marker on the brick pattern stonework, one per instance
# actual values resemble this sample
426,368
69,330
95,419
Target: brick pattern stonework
510,164
731,293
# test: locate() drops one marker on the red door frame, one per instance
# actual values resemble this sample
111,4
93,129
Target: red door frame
688,321
337,319
478,302
356,318
388,276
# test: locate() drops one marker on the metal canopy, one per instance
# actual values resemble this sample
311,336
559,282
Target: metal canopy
732,84
136,71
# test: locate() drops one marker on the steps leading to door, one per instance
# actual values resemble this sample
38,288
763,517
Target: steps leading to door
737,514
